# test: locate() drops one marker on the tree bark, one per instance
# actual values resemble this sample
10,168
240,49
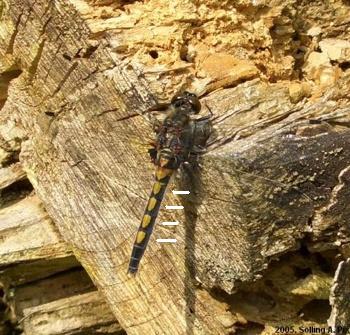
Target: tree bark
271,192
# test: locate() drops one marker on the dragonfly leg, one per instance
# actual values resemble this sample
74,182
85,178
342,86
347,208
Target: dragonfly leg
188,170
201,132
193,161
158,107
198,150
207,117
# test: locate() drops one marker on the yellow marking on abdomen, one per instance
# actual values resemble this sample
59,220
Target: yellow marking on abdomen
163,162
157,187
140,236
146,220
152,202
161,173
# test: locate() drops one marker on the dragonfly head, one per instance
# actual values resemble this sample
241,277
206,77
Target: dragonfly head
186,102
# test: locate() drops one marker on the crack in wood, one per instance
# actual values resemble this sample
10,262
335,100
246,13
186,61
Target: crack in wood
10,47
34,65
65,78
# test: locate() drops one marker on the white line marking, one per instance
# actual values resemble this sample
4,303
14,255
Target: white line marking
166,240
170,223
174,207
181,192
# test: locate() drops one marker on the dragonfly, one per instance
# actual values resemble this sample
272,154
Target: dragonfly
179,138
264,192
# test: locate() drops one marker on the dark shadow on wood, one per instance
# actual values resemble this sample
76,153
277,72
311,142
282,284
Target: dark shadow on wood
190,181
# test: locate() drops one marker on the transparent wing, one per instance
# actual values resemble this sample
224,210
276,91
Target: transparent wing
285,190
275,182
278,180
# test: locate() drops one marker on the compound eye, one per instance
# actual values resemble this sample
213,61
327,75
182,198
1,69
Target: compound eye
195,104
176,98
192,95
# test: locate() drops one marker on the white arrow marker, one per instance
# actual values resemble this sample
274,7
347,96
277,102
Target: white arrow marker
181,192
166,240
170,223
174,207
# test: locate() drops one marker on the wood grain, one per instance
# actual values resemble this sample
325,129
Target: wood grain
273,179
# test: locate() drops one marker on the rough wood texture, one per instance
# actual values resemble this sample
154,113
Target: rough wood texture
36,268
274,180
61,304
11,174
55,287
22,221
339,298
30,246
82,314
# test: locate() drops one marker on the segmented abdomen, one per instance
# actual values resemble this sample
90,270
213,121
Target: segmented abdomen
162,177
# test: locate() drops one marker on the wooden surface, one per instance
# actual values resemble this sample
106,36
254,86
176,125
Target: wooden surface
38,270
273,181
340,316
82,314
64,284
31,241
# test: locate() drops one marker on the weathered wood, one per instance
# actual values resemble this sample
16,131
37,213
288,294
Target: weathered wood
31,249
28,233
81,314
55,287
339,299
11,174
268,208
30,246
274,179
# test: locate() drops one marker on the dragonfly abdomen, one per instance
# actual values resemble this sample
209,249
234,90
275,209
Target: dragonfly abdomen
162,178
